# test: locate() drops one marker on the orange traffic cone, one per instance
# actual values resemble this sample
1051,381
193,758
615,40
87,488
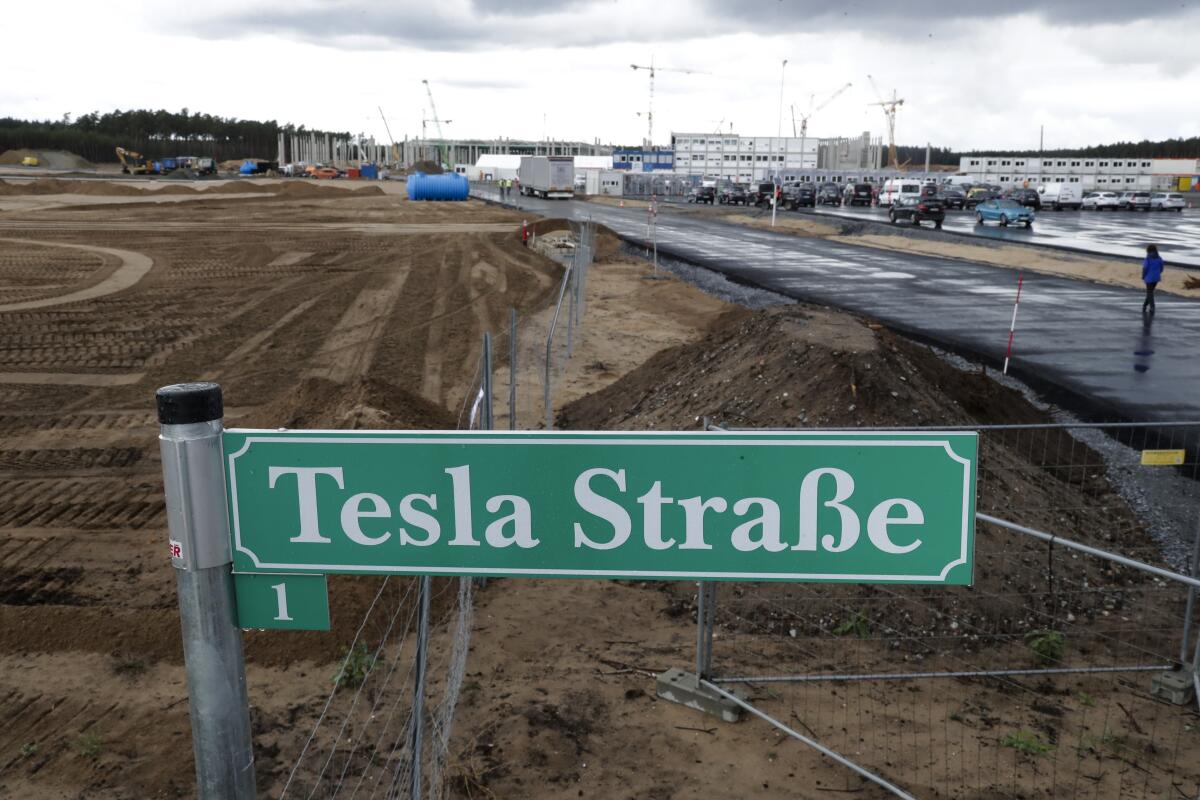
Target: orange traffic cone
620,203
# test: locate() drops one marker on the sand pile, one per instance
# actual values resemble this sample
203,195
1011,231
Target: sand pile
807,367
367,404
51,159
797,366
57,186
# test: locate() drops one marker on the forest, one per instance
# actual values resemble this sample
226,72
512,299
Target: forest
155,134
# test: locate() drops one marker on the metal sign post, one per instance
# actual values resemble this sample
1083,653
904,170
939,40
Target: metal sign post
190,441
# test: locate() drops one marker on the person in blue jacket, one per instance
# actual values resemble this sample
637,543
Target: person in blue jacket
1152,269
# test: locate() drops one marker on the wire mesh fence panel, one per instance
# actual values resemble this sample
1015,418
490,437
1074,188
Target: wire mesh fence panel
1036,681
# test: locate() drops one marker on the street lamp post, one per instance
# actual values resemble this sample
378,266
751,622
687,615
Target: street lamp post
778,137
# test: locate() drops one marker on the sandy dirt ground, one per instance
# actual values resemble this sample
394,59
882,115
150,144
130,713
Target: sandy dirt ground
327,308
362,326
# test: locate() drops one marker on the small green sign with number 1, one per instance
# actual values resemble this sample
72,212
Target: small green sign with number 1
282,602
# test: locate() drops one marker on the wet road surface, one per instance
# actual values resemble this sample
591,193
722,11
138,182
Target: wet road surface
1115,233
1083,338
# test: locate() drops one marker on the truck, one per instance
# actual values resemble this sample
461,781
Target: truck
547,176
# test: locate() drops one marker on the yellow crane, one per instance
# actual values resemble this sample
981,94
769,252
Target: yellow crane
650,109
889,111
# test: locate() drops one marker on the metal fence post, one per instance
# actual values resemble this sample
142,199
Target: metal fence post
189,416
706,611
418,709
512,369
487,423
1191,598
550,352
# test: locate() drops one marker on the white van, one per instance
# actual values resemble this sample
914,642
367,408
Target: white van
894,188
1061,195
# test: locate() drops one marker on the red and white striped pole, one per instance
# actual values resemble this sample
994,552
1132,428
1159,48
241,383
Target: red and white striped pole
1012,328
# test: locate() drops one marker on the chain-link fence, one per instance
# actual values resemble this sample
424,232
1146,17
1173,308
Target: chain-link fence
1066,670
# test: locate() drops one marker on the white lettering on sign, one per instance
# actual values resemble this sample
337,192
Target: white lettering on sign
751,523
306,490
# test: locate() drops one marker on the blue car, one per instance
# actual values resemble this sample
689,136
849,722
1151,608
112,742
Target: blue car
1004,212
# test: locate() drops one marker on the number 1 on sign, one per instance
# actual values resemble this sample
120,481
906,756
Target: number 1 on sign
281,602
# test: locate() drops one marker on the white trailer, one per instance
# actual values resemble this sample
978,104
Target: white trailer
547,176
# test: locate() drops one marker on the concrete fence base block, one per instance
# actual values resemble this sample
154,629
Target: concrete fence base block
684,688
1174,687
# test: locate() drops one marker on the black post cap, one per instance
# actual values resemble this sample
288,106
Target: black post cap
183,403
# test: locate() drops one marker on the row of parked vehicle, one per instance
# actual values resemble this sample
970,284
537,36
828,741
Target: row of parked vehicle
1133,201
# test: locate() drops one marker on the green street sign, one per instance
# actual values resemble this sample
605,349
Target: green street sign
282,602
830,507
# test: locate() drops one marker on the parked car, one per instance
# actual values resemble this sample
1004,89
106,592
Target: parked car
1135,201
952,197
1026,197
917,210
1003,211
1099,201
980,194
796,195
761,196
1167,201
829,194
701,194
857,194
733,195
325,172
1061,195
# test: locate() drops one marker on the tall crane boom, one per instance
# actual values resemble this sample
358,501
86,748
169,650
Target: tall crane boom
889,111
433,109
805,117
650,109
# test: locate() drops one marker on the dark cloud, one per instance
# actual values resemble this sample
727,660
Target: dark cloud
525,7
889,16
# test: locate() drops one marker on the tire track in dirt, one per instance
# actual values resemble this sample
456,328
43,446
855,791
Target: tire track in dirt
350,347
133,267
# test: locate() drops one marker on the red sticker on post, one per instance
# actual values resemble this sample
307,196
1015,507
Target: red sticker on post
176,549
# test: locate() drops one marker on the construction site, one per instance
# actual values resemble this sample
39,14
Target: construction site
347,306
427,465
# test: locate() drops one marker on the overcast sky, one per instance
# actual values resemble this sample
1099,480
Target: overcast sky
981,75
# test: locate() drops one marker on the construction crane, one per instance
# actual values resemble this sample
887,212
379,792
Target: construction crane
805,117
438,122
889,110
650,109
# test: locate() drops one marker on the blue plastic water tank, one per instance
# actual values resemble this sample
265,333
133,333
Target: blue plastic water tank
450,186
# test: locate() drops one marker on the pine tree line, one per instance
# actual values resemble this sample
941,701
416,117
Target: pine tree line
155,134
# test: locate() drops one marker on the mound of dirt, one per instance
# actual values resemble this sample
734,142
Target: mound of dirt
364,405
50,159
607,244
801,366
428,167
798,366
57,186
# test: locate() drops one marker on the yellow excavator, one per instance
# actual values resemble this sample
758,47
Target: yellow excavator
133,163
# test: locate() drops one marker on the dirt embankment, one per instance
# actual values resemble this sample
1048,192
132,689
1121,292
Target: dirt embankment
49,159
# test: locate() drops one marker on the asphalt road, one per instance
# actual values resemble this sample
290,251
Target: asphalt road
1117,233
1087,340
1124,234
